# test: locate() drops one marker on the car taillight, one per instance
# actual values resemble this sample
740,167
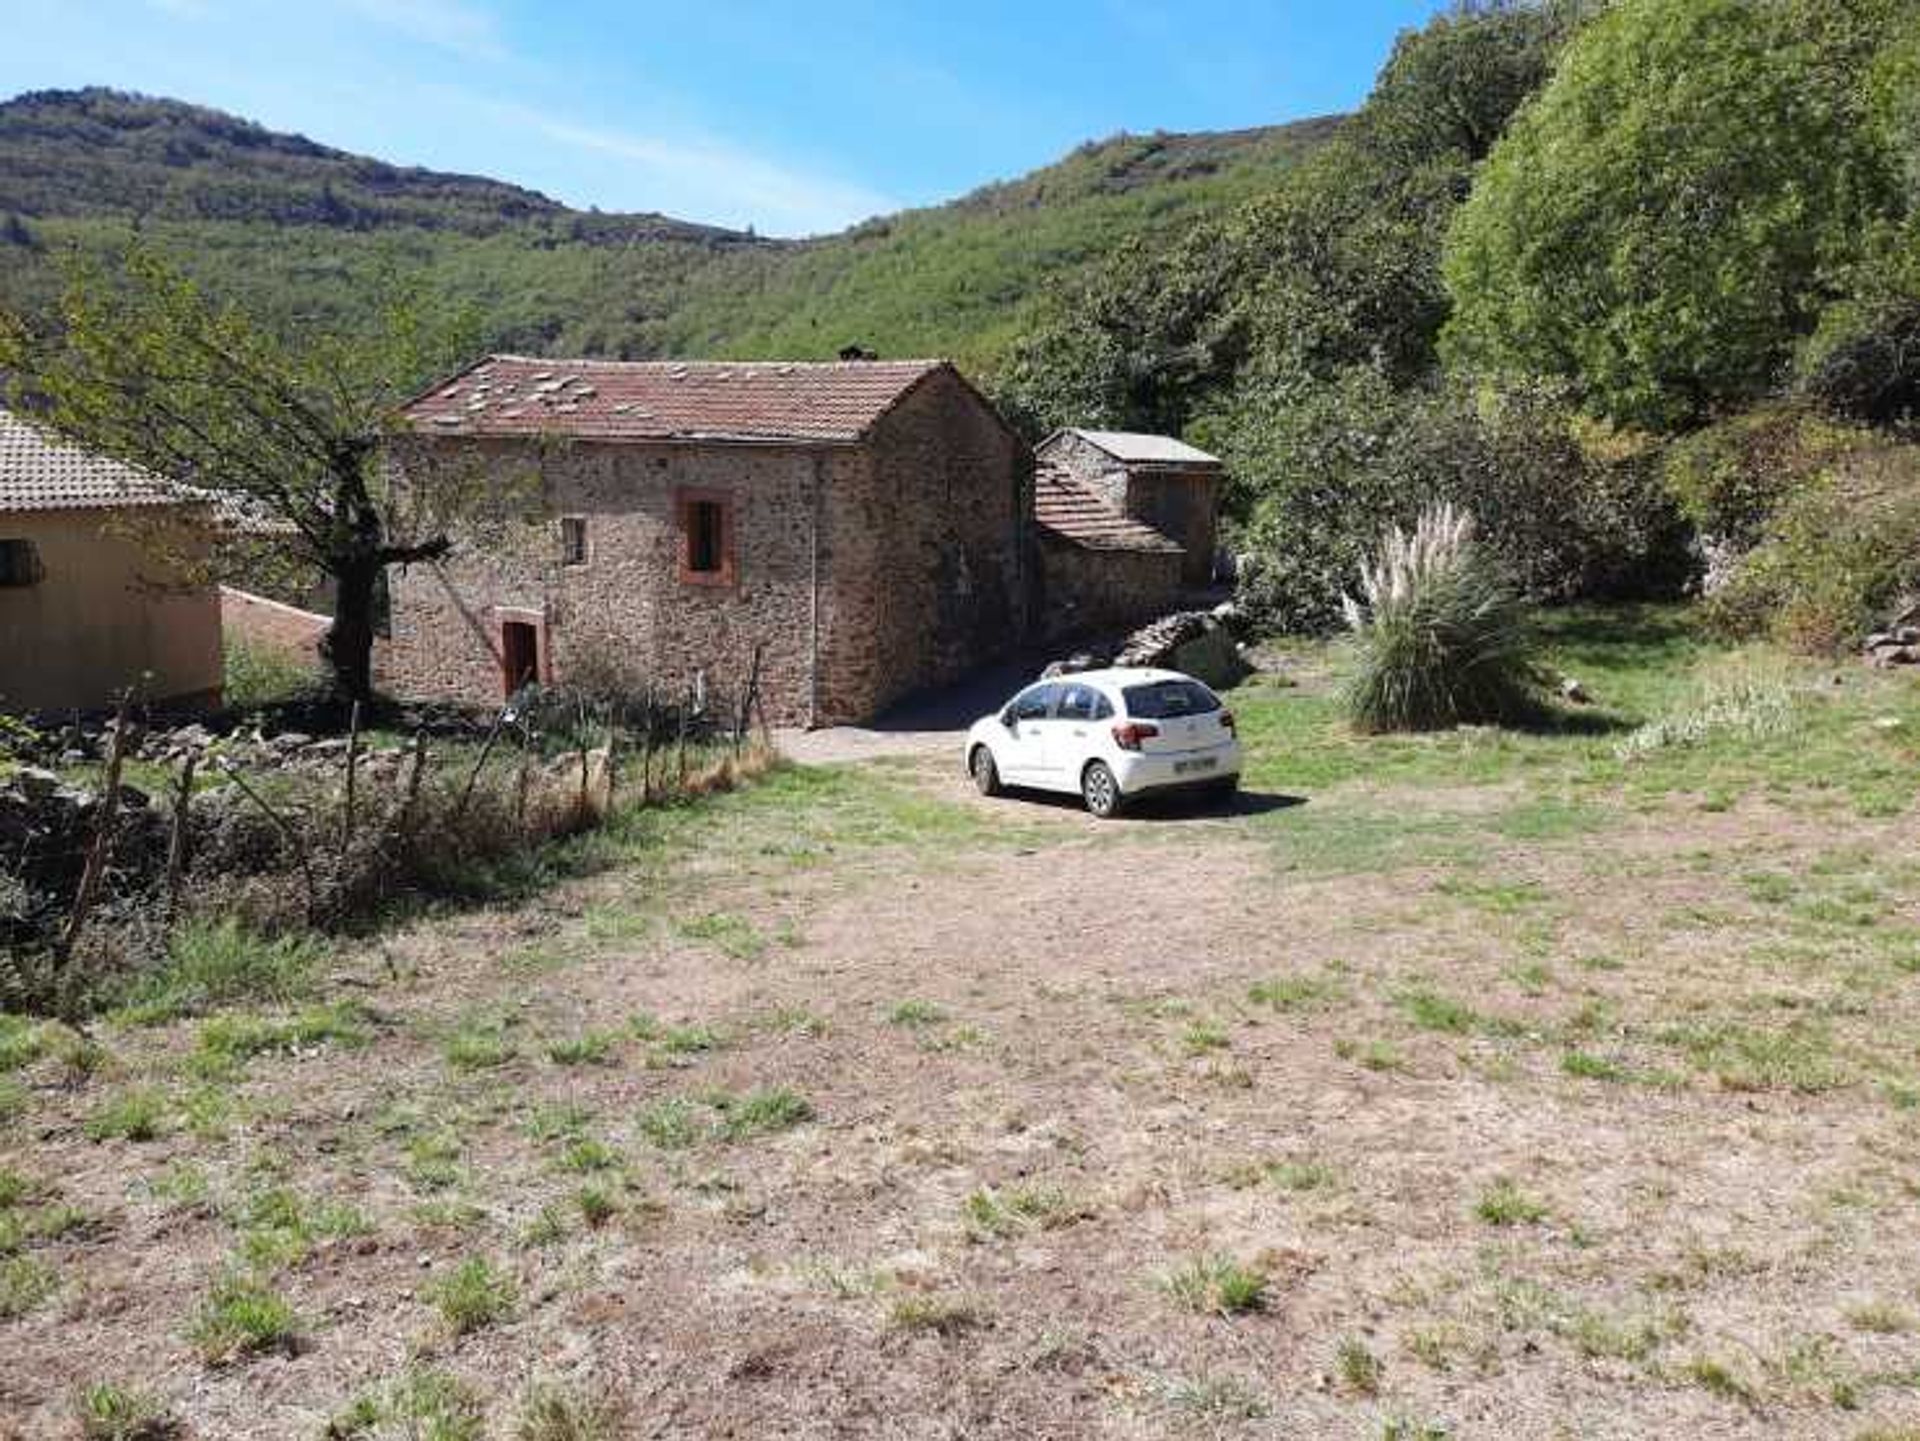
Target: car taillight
1226,720
1129,736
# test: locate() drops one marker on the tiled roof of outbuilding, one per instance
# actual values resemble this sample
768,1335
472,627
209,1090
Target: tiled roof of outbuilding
831,401
40,472
1076,515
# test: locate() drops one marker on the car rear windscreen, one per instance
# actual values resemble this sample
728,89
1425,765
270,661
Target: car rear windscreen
1164,699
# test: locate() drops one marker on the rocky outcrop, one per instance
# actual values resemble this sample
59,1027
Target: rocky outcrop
1201,643
1899,643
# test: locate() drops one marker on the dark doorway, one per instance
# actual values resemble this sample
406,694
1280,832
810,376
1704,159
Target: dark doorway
519,654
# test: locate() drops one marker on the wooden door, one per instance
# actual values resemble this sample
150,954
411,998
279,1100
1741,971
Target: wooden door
519,654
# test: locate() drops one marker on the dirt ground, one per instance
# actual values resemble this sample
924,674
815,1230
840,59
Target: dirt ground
1599,1137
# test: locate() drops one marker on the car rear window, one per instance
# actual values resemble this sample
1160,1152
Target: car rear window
1163,699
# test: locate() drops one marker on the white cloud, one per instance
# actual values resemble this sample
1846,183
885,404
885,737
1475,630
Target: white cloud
716,180
466,30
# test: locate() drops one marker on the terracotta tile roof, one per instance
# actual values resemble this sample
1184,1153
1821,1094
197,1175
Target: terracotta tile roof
834,401
1079,517
38,472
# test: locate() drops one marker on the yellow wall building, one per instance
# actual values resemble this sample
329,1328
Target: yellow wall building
98,591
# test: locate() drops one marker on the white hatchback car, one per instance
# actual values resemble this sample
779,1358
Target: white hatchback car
1108,735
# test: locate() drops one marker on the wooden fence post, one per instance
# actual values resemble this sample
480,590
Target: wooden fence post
353,760
99,853
177,844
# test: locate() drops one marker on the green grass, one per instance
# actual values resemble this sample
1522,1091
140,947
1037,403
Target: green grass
133,1115
916,1015
1216,1285
25,1284
419,1405
1505,1204
242,1316
1293,993
589,1048
761,1113
936,1315
472,1296
552,1412
479,1042
110,1412
227,1042
990,1214
1432,1011
729,934
672,1123
213,963
1359,1370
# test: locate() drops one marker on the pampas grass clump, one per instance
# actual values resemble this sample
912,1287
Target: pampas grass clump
1442,640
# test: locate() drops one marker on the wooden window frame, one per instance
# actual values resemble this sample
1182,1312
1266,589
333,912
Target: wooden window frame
684,500
567,525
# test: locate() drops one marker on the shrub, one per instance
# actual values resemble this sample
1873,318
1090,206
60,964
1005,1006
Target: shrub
1834,559
1441,639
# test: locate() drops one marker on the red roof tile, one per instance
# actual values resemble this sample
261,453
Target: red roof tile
836,401
1076,515
39,471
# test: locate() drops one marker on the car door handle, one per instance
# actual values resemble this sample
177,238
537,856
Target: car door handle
1079,732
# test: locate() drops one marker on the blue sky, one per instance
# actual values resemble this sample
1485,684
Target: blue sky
794,118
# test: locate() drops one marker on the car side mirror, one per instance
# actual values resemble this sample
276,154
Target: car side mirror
1006,717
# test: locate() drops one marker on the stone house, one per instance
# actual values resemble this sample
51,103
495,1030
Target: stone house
101,589
1161,482
863,524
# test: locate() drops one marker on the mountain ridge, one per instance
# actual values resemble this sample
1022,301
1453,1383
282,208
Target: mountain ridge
292,226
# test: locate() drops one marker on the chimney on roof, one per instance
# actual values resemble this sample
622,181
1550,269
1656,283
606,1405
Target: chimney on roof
855,352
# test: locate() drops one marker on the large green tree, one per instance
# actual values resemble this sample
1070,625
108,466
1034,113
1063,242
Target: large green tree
139,365
1667,219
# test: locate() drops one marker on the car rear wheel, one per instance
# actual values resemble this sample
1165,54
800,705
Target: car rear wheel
1100,790
986,775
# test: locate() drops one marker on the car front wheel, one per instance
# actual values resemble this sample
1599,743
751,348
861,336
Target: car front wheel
1100,790
986,775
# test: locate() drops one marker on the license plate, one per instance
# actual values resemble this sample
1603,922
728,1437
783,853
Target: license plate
1203,763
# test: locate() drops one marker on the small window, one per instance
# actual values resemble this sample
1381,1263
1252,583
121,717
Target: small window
1168,699
706,529
573,540
706,538
1034,704
1079,703
20,563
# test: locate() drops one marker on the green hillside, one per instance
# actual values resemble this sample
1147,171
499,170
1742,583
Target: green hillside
294,230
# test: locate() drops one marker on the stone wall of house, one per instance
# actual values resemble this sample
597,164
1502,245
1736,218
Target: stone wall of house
1088,592
865,571
930,561
624,614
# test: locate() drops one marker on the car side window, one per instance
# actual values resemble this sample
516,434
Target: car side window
1078,703
1034,704
1102,707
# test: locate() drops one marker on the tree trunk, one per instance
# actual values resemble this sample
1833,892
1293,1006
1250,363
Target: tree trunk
347,646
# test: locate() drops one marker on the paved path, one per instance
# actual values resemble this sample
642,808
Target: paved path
923,725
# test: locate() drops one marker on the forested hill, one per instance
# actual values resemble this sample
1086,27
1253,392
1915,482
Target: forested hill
292,228
99,153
